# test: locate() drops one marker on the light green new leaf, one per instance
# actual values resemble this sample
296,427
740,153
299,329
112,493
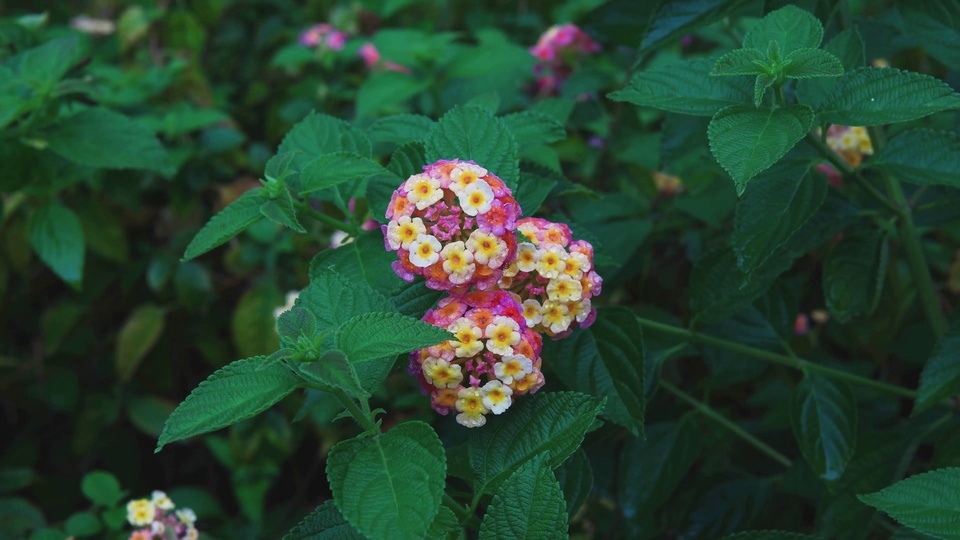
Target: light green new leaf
790,27
334,169
56,236
741,62
848,47
401,128
554,423
685,88
921,156
139,334
853,274
606,360
928,502
873,96
940,378
104,139
101,487
812,63
231,394
824,418
529,505
746,140
333,370
776,203
227,223
531,128
575,476
652,469
475,134
383,334
282,212
324,523
389,485
769,535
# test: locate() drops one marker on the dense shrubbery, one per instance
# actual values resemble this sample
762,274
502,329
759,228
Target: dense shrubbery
680,269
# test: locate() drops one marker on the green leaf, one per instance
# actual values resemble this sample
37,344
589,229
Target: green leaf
227,223
606,360
472,133
333,299
746,140
685,88
56,236
82,524
677,17
253,324
760,88
728,506
529,505
445,526
148,413
769,535
718,289
652,469
282,212
334,169
231,394
401,128
575,476
790,27
853,274
139,334
554,423
940,378
42,66
386,91
848,47
104,139
531,128
335,371
532,191
873,96
921,156
934,23
824,418
319,134
774,206
378,335
407,161
324,523
364,259
415,298
928,502
812,63
389,485
102,488
741,62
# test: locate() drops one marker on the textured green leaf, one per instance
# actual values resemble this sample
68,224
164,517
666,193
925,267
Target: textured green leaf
763,82
415,298
921,156
776,203
407,161
928,502
333,299
718,289
231,394
873,96
401,128
46,64
531,128
227,223
105,139
333,370
532,191
652,469
334,169
253,324
575,476
768,535
324,523
746,140
824,418
319,134
101,487
364,259
812,63
387,91
853,274
529,505
475,134
848,47
139,334
677,17
445,526
606,360
934,23
791,27
56,236
554,423
390,485
378,335
281,211
740,62
940,378
725,508
685,88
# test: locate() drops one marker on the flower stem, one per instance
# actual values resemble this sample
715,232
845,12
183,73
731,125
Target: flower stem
327,220
357,414
848,172
707,411
772,357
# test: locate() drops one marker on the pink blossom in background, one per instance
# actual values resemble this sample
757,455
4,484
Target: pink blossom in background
371,57
323,35
558,51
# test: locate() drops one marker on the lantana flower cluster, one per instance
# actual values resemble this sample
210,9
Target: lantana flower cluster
159,519
558,51
852,143
456,225
323,36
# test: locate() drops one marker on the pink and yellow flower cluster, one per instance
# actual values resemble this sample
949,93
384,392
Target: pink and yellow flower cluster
158,519
852,143
323,36
558,51
456,225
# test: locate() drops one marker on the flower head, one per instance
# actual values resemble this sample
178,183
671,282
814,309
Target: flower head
558,51
852,143
140,512
323,36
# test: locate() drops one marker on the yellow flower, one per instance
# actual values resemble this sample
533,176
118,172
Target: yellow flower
527,257
469,335
477,198
140,512
487,249
532,312
564,289
403,231
465,175
513,367
423,190
556,316
496,396
471,407
457,262
441,373
552,262
502,334
424,251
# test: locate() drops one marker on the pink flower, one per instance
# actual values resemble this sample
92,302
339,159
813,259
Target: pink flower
323,36
558,51
369,53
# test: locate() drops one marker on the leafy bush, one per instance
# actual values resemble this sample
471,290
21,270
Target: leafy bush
682,269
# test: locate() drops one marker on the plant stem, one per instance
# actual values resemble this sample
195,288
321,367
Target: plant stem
327,220
781,359
910,239
828,154
707,411
357,414
458,509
